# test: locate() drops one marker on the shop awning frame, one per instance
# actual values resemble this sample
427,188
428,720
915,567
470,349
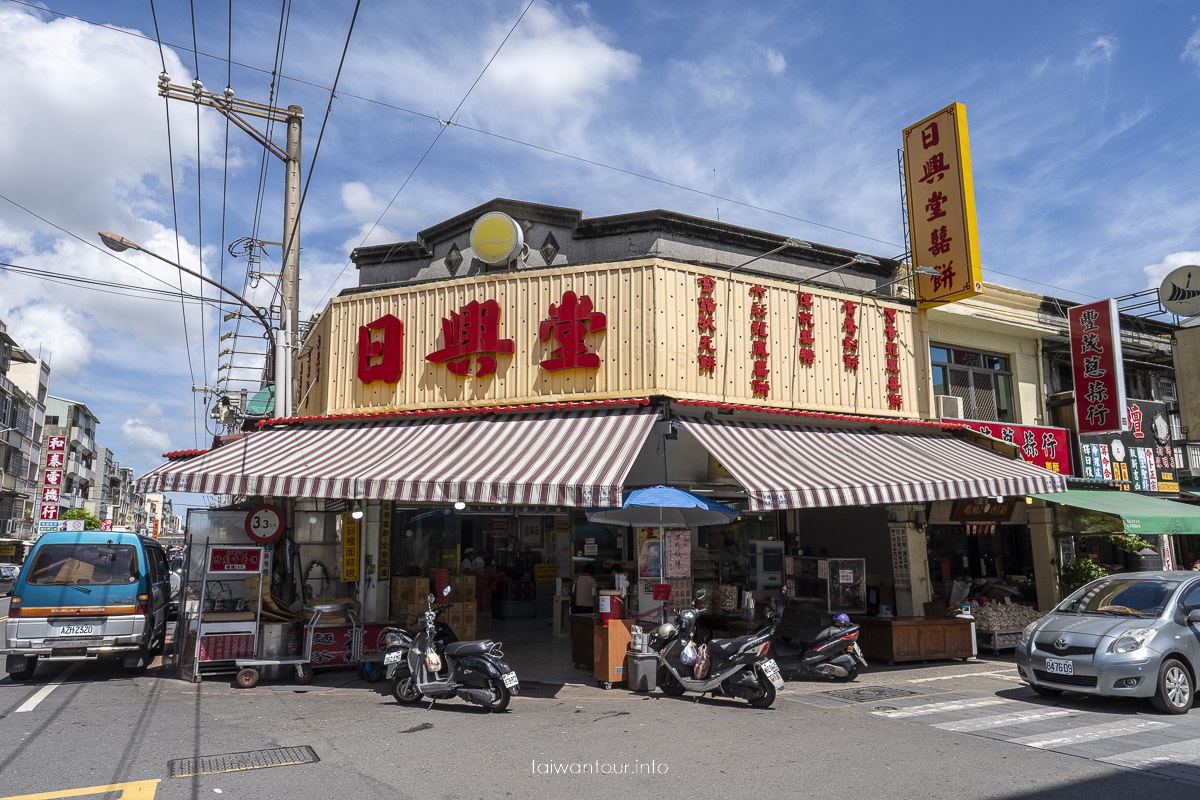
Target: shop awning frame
793,466
549,458
1145,516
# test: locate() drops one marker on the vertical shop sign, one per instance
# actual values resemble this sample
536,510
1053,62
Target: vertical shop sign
1098,367
382,359
350,548
891,362
570,320
474,330
677,554
385,541
850,335
941,206
759,385
807,353
706,307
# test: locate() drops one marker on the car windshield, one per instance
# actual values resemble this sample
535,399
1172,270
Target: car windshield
1118,596
84,565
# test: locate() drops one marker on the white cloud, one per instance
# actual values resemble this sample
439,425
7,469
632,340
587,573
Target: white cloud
1156,272
776,63
143,441
1098,52
61,333
1191,51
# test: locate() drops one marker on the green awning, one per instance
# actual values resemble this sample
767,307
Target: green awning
1142,515
263,402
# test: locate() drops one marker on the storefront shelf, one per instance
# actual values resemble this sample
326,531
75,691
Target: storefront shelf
997,640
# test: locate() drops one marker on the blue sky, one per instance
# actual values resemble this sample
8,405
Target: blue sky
1082,115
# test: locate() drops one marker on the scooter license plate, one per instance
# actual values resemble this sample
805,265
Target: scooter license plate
394,657
772,671
510,679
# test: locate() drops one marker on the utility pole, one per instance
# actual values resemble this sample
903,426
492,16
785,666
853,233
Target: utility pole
236,110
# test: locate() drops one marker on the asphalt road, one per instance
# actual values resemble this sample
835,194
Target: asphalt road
963,731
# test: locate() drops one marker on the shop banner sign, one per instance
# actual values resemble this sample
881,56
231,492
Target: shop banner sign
983,510
1142,457
1098,367
243,560
649,553
1043,446
350,548
677,554
941,207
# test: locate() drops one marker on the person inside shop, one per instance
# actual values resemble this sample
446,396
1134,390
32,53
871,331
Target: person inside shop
471,562
584,593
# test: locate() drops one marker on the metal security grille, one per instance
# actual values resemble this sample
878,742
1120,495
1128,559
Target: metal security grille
868,694
235,762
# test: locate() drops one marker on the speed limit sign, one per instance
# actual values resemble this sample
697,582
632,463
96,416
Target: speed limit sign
264,524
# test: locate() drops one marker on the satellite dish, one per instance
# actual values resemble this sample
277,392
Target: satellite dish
1180,291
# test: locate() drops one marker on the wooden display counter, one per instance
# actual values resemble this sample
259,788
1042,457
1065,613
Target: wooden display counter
914,638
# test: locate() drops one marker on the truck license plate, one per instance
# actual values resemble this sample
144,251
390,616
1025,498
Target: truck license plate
75,630
1060,666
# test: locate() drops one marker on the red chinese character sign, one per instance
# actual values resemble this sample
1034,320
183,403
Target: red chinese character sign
381,350
1098,367
849,335
472,331
571,320
941,207
760,371
891,362
1049,448
706,308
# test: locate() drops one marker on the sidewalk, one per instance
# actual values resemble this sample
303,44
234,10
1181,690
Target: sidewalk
540,658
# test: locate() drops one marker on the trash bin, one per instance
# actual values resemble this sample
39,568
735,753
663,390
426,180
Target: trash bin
641,671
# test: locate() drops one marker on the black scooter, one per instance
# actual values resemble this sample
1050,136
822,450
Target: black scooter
472,671
721,667
831,651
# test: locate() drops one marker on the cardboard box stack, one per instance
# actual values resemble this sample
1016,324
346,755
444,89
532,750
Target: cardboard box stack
406,595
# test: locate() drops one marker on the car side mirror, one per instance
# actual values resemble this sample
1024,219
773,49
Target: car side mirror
1194,615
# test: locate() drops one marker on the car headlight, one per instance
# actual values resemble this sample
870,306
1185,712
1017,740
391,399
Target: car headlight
1027,634
1132,639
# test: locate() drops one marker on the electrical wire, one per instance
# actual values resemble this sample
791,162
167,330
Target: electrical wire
444,125
199,217
175,218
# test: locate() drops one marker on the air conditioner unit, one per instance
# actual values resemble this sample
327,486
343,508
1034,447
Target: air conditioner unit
948,406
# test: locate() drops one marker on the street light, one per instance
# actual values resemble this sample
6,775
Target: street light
120,244
858,258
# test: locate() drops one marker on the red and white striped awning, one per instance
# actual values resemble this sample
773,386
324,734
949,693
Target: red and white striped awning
791,466
554,458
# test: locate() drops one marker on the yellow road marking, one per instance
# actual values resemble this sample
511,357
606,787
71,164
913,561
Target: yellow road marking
134,790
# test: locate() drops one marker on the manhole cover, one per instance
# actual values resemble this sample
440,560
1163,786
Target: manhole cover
866,694
234,762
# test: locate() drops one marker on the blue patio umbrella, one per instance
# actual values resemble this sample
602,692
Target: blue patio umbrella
664,506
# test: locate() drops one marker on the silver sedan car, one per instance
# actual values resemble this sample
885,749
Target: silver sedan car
1133,634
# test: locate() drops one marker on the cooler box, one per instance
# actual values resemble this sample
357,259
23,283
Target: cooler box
611,606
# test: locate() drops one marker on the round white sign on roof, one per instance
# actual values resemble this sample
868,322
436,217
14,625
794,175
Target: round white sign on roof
1180,291
496,238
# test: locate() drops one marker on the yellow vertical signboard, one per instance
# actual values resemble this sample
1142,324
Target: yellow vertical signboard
350,548
941,207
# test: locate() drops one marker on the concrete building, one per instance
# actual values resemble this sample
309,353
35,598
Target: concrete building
69,437
23,381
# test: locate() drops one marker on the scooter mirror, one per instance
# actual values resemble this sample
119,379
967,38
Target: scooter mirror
701,594
430,599
446,592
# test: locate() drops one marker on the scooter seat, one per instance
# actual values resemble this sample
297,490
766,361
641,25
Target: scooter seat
459,649
723,648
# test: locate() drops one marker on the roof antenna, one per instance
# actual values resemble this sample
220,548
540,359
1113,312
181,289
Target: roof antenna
716,197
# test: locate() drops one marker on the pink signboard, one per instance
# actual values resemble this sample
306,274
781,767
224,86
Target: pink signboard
1049,448
1098,367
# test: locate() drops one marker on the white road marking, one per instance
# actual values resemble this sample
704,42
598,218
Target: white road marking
1089,733
963,675
938,708
1000,720
1185,753
44,692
